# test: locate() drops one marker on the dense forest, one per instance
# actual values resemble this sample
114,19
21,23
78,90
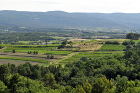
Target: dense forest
109,74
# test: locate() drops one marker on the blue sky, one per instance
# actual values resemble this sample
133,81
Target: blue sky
105,6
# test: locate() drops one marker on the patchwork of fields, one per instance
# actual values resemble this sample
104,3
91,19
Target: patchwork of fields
40,53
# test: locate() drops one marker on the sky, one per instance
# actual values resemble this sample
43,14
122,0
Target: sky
101,6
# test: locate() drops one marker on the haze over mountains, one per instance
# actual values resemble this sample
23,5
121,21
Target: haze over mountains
64,19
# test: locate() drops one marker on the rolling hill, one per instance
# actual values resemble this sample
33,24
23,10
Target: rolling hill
64,19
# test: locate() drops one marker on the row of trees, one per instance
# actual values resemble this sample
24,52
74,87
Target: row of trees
66,44
112,42
14,37
133,36
33,52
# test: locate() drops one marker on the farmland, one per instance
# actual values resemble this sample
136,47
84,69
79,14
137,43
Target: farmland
47,46
111,47
93,54
41,53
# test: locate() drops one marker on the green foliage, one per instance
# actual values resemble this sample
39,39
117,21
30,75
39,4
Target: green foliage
112,42
121,84
13,51
66,44
79,89
133,90
49,79
87,87
128,43
102,85
133,36
50,57
3,88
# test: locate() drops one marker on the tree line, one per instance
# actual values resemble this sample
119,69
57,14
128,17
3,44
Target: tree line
108,74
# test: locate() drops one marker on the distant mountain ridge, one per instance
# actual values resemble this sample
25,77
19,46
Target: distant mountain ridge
64,19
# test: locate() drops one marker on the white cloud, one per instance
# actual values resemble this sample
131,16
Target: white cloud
72,5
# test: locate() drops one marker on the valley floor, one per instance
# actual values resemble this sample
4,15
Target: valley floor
81,48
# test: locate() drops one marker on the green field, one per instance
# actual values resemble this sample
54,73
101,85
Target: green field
111,47
105,50
62,56
91,55
25,59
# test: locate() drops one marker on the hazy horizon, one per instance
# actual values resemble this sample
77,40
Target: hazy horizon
72,12
86,6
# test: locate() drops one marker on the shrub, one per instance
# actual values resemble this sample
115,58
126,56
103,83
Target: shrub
112,42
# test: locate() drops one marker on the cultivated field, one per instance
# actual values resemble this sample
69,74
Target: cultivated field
40,54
